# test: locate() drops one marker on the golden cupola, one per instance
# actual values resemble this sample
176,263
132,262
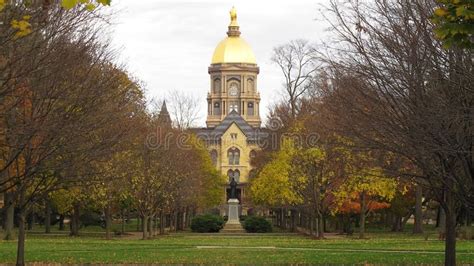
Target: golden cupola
233,49
233,79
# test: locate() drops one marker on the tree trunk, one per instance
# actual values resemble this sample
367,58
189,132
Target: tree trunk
441,219
450,232
293,220
123,222
179,219
47,217
322,226
162,223
139,229
397,223
150,227
316,225
363,208
171,222
20,255
9,217
144,226
108,222
418,227
75,220
61,222
278,217
31,221
175,221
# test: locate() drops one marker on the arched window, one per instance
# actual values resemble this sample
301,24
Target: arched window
250,85
250,109
237,176
217,108
252,173
230,175
214,157
234,156
233,174
217,86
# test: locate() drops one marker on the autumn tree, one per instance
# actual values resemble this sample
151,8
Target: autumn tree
395,89
364,183
53,113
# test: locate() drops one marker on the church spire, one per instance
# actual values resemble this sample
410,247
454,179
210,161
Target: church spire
164,116
233,26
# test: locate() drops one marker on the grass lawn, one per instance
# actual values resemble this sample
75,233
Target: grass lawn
380,248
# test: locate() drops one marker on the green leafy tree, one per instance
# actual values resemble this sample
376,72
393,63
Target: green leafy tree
455,23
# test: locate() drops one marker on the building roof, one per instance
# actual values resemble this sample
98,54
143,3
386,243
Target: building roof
214,134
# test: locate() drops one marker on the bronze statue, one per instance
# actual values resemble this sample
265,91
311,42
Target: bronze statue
233,189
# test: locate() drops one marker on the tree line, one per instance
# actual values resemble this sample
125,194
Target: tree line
392,107
75,130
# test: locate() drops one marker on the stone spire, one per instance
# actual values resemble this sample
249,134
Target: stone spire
164,118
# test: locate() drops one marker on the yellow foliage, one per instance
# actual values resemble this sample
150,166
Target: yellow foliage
22,26
88,4
272,187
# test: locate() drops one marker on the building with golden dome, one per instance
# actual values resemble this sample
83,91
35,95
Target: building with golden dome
233,120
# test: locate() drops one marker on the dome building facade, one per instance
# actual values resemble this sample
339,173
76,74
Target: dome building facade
233,134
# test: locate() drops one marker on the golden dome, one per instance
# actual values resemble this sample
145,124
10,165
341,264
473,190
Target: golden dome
233,49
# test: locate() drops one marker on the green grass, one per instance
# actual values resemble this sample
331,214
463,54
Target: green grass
380,248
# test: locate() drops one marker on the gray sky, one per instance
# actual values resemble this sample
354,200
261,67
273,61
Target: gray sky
169,44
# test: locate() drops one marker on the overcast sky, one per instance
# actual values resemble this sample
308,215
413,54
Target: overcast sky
168,44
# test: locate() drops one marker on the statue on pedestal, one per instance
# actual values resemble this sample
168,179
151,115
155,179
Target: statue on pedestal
233,189
233,204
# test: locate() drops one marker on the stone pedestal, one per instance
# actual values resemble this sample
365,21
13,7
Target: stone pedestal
233,222
233,214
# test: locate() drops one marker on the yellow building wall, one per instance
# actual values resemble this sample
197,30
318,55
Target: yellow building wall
240,142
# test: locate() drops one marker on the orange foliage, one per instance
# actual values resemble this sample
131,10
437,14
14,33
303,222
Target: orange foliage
351,206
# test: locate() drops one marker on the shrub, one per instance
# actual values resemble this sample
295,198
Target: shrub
242,218
91,218
207,223
254,224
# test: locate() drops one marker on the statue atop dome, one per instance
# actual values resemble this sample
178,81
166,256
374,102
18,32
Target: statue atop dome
233,26
233,49
233,17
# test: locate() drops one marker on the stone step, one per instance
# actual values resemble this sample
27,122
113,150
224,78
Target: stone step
232,228
241,231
